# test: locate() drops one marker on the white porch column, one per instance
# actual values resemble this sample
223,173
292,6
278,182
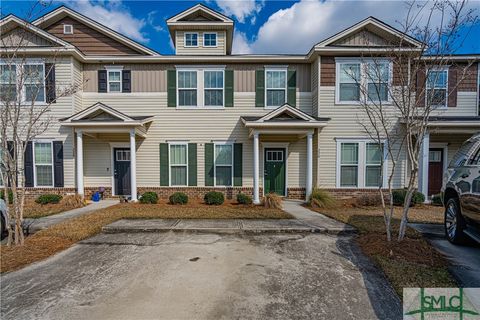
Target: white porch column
133,165
256,191
423,165
80,185
308,187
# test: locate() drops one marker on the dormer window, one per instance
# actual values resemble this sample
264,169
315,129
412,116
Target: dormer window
67,29
210,39
191,39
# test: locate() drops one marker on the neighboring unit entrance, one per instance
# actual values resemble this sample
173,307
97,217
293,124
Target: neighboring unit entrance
274,171
121,172
435,171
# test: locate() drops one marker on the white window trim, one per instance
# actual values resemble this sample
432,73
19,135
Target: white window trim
216,39
35,164
114,69
19,64
363,79
362,163
276,68
65,27
200,87
185,39
215,163
444,68
177,165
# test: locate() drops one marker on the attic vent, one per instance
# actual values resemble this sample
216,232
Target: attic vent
67,29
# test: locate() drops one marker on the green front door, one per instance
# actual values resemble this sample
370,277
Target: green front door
274,170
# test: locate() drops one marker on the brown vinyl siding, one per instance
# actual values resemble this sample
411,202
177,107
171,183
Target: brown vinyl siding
327,71
153,77
88,40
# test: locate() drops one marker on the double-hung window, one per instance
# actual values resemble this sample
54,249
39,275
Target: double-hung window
209,39
213,88
362,80
436,89
360,164
275,87
178,164
34,82
187,88
349,165
349,82
200,88
191,39
223,164
8,82
43,164
114,80
377,81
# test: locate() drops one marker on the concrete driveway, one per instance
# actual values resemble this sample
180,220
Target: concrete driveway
202,276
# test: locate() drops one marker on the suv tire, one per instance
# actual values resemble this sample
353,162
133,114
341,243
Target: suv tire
453,222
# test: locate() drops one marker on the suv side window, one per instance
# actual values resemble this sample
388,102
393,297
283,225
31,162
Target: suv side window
475,160
462,154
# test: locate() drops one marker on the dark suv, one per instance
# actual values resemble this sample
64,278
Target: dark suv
461,193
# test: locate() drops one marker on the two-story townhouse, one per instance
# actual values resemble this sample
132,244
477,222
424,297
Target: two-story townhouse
205,119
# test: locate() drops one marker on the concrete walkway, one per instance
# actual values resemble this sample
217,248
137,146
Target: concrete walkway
306,221
35,225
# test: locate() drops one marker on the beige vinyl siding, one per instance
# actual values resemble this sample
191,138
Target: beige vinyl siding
77,75
21,37
466,106
97,162
198,126
315,77
180,48
344,124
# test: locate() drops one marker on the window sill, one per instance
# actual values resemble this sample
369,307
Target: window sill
200,108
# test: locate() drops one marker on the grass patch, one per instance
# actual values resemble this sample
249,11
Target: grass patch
58,237
410,263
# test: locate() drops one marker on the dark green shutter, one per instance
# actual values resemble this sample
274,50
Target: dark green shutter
58,164
228,88
102,80
28,165
192,164
126,81
164,164
50,88
209,170
292,88
237,164
260,88
172,88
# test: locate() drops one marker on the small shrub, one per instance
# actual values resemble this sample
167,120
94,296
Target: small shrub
272,200
400,194
48,198
321,198
74,200
214,198
369,200
437,200
10,195
178,198
149,197
242,198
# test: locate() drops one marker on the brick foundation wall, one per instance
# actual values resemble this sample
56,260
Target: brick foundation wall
198,192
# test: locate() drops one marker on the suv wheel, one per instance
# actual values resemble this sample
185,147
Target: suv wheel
454,223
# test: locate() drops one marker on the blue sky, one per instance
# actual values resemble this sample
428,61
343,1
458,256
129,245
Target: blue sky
261,26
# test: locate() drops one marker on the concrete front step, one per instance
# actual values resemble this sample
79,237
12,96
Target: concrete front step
224,226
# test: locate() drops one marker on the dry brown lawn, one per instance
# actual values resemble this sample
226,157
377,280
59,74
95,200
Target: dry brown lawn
36,210
410,263
47,242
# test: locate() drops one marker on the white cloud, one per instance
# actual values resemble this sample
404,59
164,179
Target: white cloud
113,14
297,28
151,21
240,43
241,9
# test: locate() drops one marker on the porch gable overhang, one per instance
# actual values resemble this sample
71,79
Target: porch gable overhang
102,118
284,119
452,124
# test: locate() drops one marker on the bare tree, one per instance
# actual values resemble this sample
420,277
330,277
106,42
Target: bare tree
27,90
396,109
